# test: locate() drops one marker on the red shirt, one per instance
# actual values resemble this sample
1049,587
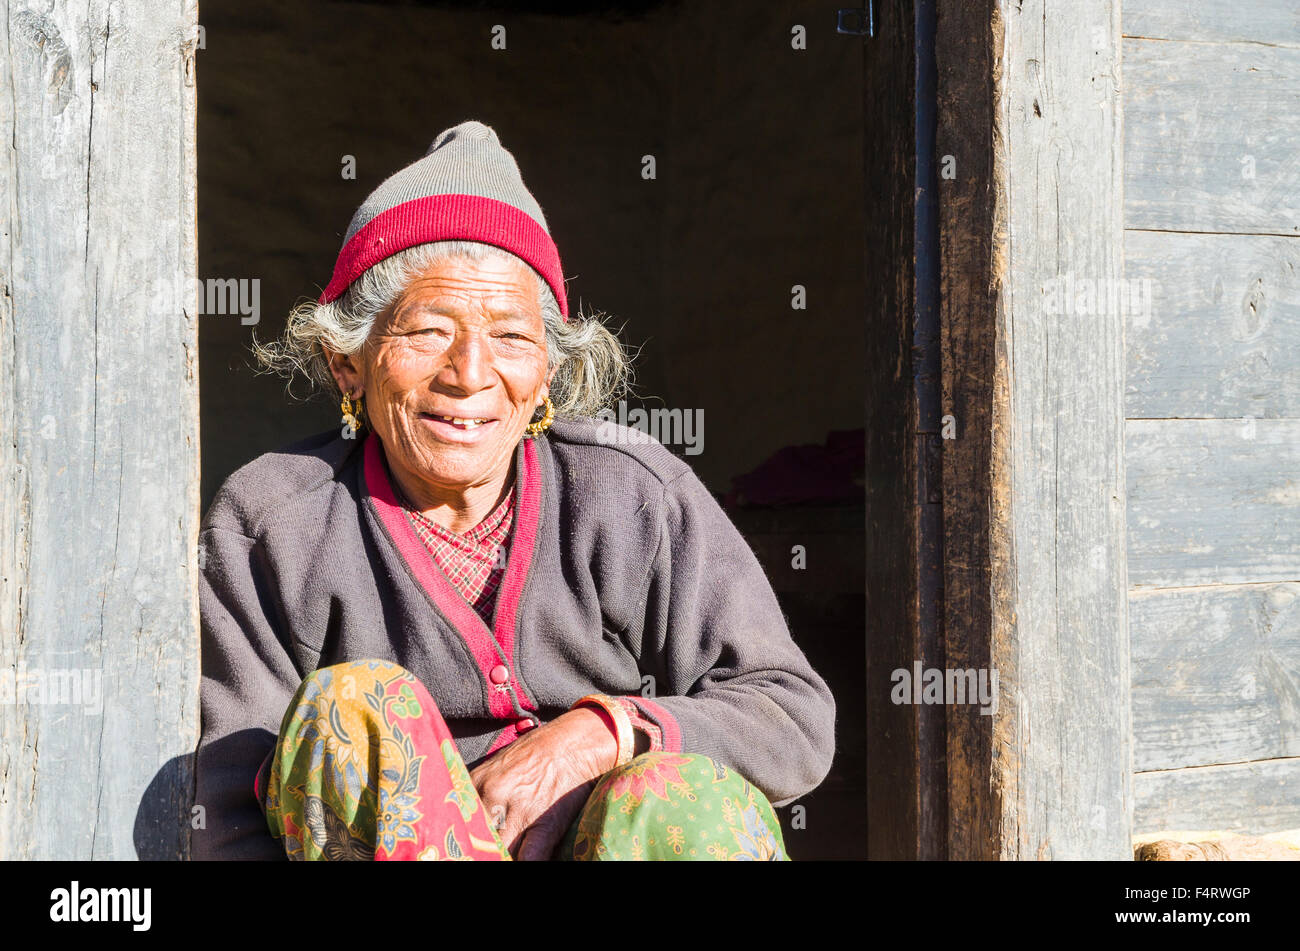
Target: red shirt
473,562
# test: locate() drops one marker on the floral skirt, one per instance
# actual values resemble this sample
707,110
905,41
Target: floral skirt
366,768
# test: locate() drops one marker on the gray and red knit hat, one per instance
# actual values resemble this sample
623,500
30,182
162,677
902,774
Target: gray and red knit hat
467,187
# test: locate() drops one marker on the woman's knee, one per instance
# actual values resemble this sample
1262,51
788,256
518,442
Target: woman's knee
665,805
660,769
356,693
349,679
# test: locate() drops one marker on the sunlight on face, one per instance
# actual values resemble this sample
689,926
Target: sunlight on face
454,371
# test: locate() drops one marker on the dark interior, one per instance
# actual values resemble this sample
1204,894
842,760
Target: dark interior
759,187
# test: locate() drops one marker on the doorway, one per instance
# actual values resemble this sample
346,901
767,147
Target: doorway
722,179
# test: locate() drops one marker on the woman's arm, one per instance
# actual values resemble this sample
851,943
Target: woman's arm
729,682
249,677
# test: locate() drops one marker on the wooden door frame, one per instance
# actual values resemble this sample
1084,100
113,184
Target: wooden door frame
1031,546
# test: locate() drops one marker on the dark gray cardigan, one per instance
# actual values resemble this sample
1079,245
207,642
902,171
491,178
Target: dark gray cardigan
624,576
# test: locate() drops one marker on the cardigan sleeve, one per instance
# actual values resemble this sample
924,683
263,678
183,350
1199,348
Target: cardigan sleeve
729,681
248,680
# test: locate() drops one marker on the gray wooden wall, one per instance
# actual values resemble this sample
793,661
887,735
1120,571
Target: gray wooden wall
1212,220
98,429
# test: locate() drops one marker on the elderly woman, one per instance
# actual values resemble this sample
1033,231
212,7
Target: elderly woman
476,621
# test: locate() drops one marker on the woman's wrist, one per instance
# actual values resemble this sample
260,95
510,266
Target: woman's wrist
599,736
617,722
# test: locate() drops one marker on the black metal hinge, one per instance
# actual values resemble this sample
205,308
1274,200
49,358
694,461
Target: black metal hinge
857,21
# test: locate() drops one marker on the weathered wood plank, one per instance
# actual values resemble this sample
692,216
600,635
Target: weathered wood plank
1216,674
1063,736
892,477
1056,629
1249,798
1213,501
99,500
1210,137
1215,332
965,57
1271,22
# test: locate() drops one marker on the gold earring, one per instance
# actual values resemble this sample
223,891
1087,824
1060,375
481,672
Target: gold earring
535,429
351,417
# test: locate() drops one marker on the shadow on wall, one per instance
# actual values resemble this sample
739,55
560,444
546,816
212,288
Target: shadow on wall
162,821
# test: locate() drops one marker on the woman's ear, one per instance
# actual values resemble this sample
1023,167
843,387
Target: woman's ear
346,374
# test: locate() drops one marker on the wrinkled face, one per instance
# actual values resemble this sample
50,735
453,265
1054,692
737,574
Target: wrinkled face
453,372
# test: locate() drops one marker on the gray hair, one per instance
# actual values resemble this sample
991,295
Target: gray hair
593,368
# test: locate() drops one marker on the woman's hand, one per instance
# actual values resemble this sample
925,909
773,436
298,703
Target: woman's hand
543,779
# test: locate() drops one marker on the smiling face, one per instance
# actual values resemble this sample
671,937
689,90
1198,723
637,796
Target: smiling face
451,374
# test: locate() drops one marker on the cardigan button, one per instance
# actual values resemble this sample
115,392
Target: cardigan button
499,674
522,725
